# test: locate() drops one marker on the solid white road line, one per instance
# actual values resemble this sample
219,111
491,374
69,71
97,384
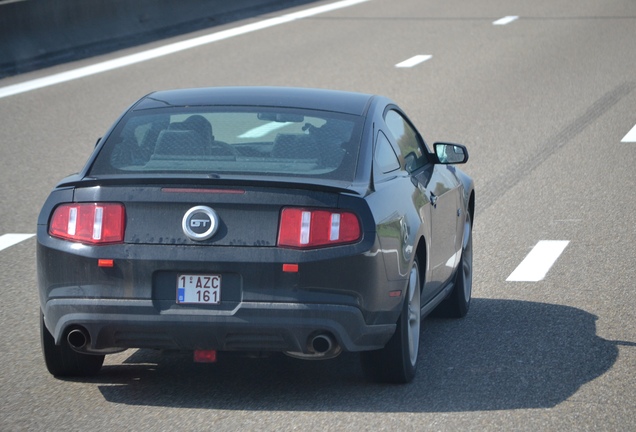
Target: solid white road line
506,20
538,262
170,49
9,240
631,136
413,61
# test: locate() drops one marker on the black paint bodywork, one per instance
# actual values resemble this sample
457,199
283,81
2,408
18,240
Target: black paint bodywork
347,291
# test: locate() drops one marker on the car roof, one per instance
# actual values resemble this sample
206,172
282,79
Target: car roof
292,97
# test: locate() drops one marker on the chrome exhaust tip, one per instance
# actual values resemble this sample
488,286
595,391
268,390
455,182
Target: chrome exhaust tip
321,346
322,343
78,339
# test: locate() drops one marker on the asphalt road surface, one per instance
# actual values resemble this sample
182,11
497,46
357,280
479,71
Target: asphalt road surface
545,103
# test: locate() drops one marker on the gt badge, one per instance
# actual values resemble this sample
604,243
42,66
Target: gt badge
200,223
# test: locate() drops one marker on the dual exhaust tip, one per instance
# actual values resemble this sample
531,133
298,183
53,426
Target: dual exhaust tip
320,346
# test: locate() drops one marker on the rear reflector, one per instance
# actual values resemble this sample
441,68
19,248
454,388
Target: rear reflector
290,268
309,228
91,223
205,356
105,263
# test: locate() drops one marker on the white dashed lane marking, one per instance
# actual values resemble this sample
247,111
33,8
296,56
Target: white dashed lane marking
506,20
413,61
630,137
539,261
8,240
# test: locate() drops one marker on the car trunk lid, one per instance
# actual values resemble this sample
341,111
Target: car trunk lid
246,215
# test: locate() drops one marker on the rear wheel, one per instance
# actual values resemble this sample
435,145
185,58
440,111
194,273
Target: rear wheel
397,361
457,303
62,361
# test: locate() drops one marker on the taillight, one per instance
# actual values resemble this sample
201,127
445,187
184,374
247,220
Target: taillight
92,223
309,228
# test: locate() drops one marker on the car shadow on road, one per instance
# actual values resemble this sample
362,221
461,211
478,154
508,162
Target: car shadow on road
505,354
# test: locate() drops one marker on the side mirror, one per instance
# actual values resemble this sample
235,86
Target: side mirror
450,153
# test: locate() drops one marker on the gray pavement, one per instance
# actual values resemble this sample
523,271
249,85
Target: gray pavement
542,104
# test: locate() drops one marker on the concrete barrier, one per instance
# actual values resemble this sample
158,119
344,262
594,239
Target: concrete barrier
37,33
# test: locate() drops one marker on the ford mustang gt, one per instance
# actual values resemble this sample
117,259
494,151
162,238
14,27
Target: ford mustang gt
256,219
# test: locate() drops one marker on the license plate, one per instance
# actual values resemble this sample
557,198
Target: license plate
199,289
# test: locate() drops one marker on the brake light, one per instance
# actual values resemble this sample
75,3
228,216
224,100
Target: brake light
92,223
309,228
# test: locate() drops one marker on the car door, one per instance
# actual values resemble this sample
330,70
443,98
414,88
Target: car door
443,191
440,189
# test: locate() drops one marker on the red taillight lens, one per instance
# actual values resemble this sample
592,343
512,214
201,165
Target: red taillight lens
309,228
92,223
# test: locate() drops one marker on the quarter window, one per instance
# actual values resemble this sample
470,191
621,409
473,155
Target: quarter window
385,158
408,140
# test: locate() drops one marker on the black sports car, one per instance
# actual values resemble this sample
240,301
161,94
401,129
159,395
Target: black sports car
256,219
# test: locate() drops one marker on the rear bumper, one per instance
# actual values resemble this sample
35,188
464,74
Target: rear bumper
340,291
251,326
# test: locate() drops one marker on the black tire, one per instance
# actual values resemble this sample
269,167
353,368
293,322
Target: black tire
457,303
397,362
62,361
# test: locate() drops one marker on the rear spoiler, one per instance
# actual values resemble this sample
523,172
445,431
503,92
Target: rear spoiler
215,180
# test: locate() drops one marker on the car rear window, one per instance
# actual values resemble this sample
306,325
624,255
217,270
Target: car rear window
233,141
